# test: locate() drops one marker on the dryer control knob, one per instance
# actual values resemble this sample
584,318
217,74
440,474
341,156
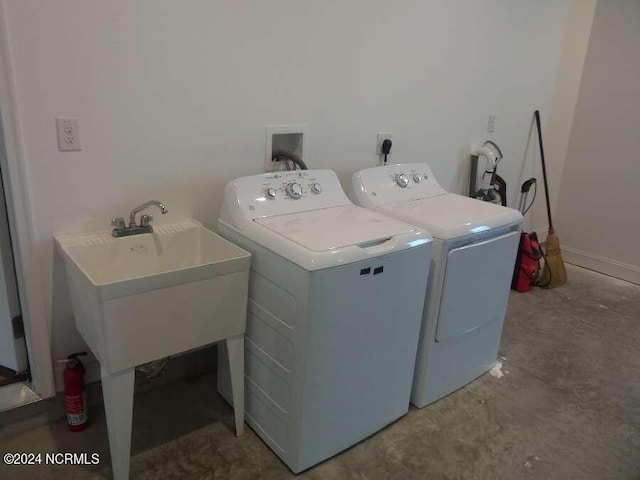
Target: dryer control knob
271,193
402,180
316,188
294,190
417,177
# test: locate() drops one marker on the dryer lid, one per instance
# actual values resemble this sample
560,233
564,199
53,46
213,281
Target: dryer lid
451,216
335,227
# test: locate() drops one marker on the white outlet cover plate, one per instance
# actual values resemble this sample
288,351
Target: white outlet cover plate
68,130
491,124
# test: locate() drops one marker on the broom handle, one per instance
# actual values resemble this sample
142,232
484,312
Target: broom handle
544,170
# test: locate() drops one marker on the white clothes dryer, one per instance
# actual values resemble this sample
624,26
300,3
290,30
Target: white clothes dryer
474,251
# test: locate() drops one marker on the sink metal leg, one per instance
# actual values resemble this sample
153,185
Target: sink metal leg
117,390
235,351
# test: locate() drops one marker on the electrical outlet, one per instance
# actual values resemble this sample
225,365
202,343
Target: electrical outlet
491,124
382,136
68,134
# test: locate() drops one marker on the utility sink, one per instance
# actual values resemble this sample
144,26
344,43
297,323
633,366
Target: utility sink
144,297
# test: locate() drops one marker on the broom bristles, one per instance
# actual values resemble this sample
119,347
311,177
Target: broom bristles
554,273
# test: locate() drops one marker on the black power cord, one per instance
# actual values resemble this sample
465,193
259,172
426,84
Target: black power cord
526,186
386,149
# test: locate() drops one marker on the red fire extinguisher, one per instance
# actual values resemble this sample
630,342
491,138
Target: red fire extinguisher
75,401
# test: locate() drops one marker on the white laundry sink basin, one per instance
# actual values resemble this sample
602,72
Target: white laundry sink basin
144,297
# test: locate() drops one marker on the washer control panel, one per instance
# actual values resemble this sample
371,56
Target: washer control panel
290,187
279,193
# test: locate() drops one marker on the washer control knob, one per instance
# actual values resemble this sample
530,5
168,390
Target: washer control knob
316,188
271,193
417,177
294,190
402,180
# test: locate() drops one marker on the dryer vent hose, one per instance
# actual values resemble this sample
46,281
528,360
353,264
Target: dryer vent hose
289,158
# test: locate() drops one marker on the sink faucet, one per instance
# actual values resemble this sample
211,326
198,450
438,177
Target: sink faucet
139,208
121,230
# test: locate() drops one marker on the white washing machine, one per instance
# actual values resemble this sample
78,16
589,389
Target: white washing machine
334,313
474,251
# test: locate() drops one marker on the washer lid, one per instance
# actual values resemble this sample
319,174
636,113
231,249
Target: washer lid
335,227
450,216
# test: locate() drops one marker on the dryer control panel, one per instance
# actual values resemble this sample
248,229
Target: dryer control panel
281,193
394,183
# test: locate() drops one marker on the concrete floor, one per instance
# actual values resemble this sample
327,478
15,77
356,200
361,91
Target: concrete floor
568,407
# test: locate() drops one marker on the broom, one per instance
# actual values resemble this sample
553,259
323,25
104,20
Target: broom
554,274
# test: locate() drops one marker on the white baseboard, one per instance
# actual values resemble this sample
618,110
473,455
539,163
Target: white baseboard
614,268
608,266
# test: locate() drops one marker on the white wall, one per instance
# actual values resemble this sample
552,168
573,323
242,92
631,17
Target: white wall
173,97
598,221
556,130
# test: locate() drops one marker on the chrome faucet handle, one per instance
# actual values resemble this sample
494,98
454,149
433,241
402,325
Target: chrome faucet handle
118,223
145,220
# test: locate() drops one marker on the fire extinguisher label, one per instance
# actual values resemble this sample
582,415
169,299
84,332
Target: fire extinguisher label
76,410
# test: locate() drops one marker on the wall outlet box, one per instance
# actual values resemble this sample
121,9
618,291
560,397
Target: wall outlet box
68,130
293,138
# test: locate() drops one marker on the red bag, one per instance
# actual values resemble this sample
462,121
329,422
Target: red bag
527,265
